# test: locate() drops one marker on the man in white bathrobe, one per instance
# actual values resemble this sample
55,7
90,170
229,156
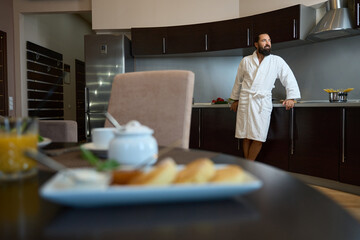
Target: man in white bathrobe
254,82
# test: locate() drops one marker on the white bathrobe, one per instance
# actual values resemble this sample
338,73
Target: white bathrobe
253,86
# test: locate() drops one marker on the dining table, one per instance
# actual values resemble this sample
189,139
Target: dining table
283,207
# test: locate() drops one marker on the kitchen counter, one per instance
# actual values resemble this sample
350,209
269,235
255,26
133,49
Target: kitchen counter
209,105
301,103
328,129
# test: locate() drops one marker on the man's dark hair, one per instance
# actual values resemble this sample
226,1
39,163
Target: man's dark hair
258,36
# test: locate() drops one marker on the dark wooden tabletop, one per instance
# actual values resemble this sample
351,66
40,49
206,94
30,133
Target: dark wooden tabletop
284,208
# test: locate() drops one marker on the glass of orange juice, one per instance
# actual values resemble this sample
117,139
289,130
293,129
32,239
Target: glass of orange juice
17,135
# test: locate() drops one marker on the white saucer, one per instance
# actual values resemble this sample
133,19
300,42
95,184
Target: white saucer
46,141
100,152
91,146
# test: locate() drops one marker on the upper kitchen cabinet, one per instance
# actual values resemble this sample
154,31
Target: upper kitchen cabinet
287,24
230,34
148,41
284,25
187,39
196,38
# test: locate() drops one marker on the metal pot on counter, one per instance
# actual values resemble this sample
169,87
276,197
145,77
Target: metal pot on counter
338,95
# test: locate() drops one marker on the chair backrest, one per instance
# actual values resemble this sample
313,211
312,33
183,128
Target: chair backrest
161,100
59,130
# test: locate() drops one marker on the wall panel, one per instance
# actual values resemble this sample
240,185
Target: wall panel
45,91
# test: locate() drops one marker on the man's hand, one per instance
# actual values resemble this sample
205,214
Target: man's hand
289,103
234,106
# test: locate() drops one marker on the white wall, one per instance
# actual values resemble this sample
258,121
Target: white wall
62,33
124,14
251,7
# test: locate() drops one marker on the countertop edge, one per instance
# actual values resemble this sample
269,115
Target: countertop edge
306,104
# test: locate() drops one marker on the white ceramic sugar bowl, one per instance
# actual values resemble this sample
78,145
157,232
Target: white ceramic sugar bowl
133,145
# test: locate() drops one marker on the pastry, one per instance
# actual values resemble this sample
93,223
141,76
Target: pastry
162,174
198,171
229,174
124,176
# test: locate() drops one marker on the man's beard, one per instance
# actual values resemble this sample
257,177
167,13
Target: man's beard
265,52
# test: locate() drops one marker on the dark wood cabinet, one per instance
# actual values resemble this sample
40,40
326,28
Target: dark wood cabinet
276,150
350,165
230,34
354,8
148,41
194,141
218,131
214,129
215,36
170,40
282,25
317,142
357,13
187,39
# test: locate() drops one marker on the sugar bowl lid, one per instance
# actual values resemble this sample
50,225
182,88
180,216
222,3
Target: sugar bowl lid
134,127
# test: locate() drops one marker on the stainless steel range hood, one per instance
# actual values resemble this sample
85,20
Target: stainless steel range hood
337,22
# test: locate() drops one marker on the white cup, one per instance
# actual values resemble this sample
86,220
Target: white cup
101,137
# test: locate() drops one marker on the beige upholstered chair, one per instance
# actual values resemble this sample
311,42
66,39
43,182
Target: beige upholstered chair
59,130
161,100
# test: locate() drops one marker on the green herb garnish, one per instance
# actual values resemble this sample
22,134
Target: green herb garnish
100,165
40,138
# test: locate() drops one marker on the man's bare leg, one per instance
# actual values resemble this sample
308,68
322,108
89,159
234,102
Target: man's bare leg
246,147
254,150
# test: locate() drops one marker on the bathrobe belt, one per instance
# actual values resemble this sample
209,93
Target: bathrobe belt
258,94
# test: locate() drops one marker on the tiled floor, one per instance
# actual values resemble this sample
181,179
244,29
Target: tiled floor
350,202
346,195
343,187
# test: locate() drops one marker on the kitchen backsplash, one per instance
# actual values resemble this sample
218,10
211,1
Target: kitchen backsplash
214,76
329,64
